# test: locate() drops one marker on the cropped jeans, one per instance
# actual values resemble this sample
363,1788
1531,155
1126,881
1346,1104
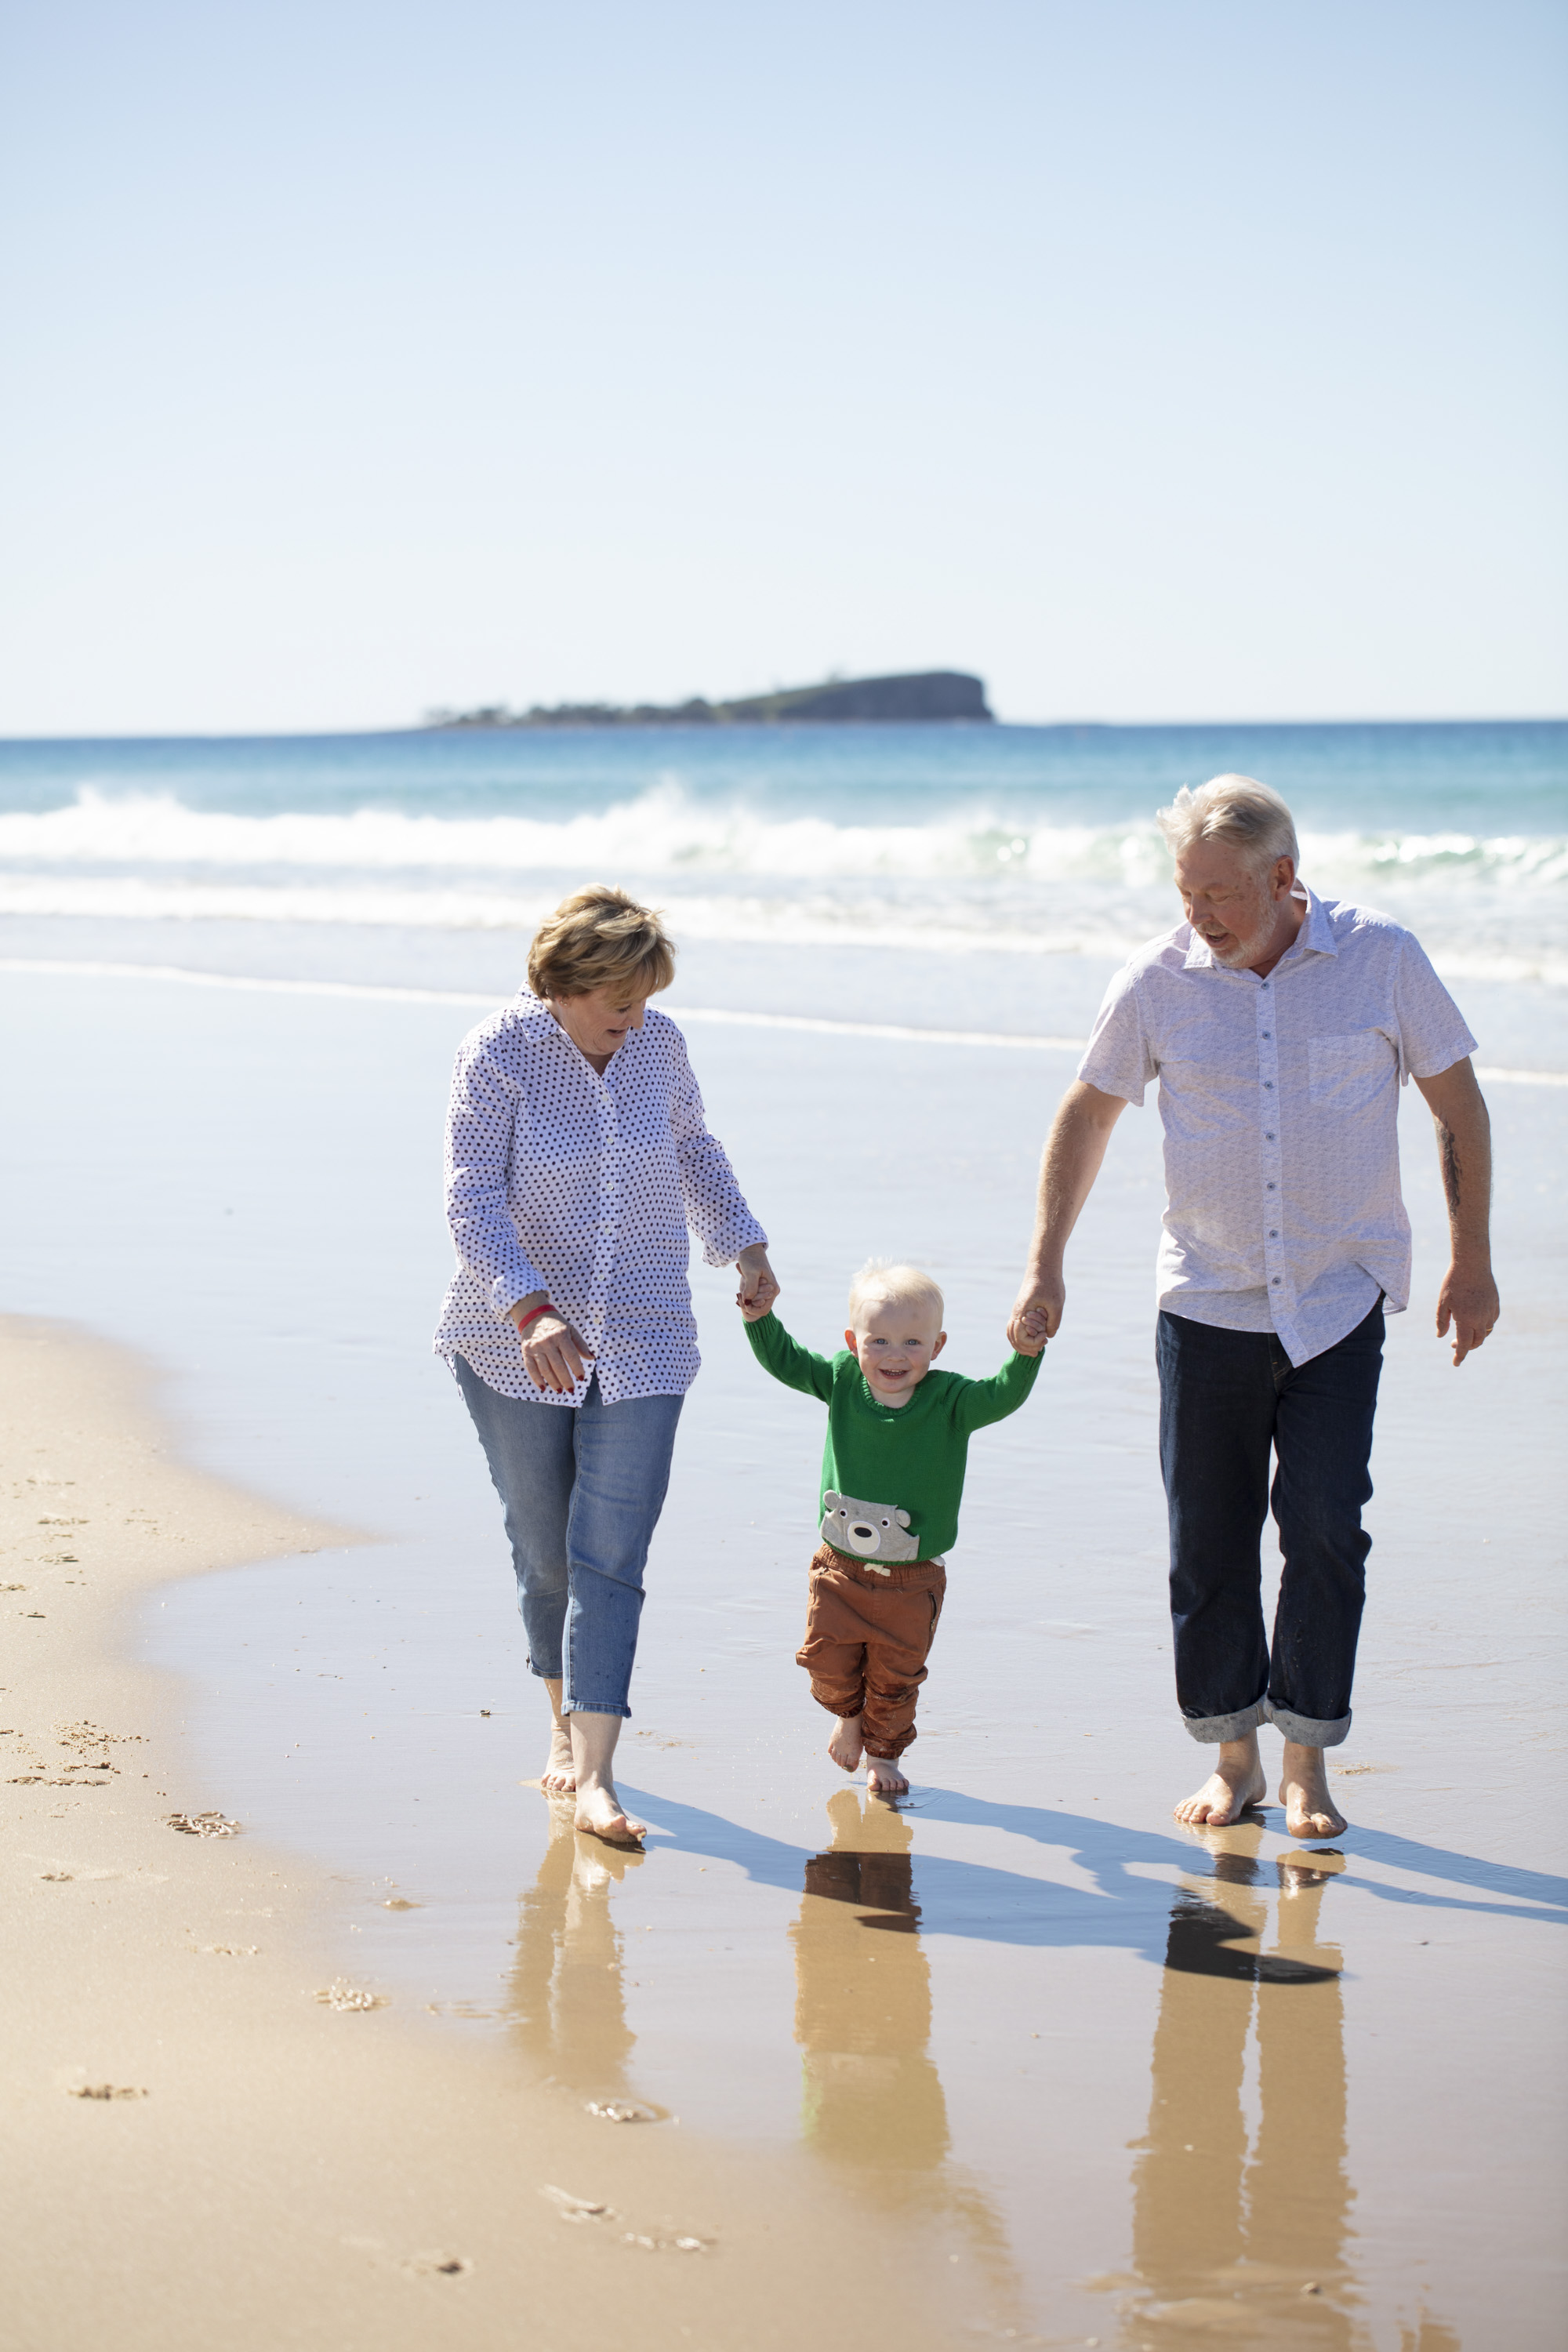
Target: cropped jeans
582,1488
1228,1400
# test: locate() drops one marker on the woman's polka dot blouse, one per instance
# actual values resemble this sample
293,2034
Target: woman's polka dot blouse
562,1181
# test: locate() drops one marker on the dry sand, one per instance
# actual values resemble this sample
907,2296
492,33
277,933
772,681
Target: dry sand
201,2150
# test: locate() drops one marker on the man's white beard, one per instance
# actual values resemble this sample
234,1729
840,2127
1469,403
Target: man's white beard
1249,944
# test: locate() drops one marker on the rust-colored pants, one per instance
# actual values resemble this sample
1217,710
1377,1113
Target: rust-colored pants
866,1637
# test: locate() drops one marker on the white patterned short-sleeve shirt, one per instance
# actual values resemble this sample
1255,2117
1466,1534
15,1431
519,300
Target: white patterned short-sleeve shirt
583,1186
1280,1099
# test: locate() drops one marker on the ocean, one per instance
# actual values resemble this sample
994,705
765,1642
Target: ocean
232,977
1036,841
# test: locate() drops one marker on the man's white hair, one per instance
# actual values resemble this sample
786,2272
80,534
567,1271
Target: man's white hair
1237,809
881,1278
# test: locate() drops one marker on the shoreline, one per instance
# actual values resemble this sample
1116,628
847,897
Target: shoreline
201,2146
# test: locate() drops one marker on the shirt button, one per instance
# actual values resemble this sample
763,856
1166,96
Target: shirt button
1269,1033
1269,1138
1273,1233
1270,1186
1277,1281
1268,1083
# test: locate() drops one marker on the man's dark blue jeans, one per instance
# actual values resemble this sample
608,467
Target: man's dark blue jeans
1228,1398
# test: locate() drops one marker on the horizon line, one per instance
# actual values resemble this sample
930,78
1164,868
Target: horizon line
804,727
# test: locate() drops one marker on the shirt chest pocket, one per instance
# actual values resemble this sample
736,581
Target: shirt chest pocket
1347,1072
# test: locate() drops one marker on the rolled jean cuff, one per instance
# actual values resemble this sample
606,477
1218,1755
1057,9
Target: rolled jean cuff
1213,1729
570,1705
545,1674
1306,1730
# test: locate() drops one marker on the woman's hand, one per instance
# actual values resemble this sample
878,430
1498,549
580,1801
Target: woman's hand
553,1356
758,1285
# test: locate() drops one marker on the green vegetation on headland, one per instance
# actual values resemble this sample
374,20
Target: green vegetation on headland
921,695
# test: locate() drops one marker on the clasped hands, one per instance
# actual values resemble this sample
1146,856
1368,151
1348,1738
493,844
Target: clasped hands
1037,1314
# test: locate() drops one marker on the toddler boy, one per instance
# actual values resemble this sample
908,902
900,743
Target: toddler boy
893,1478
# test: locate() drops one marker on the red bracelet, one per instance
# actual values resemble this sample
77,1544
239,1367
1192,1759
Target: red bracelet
528,1319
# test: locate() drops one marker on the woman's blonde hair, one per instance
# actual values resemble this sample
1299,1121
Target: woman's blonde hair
600,938
901,1285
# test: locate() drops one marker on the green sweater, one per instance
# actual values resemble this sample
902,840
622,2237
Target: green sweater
892,1476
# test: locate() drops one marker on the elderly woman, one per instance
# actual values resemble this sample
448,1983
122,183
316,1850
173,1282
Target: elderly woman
577,1155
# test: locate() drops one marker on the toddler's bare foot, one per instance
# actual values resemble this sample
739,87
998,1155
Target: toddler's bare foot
1236,1783
1310,1810
883,1779
559,1777
847,1746
602,1814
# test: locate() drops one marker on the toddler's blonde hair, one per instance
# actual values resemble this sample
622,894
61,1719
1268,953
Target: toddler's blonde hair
882,1277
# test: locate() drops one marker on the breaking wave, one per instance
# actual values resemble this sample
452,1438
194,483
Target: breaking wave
1488,906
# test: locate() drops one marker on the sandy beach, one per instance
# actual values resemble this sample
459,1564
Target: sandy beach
1026,2062
215,2129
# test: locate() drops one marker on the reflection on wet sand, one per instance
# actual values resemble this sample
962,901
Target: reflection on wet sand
568,1999
1248,2244
1239,2237
873,2105
862,2011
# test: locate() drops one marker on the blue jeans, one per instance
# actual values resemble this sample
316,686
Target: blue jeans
1227,1399
582,1487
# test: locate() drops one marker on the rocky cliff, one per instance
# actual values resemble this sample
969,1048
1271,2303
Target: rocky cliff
919,696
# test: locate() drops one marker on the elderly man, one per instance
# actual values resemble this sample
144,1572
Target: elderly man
1281,1026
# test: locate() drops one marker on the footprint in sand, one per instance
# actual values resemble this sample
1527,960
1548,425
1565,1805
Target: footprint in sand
342,1995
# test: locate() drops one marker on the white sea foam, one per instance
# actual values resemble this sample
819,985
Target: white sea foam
668,831
1487,907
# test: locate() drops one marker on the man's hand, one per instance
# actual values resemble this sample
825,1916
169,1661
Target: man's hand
1468,1299
1037,1314
1030,1328
553,1356
758,1285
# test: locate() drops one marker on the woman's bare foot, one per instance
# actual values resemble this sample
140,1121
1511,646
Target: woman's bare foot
602,1814
1310,1810
599,1810
559,1777
847,1746
1236,1783
884,1779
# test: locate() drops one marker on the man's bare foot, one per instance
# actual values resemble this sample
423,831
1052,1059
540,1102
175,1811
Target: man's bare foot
1237,1781
601,1814
884,1779
559,1777
847,1746
1310,1810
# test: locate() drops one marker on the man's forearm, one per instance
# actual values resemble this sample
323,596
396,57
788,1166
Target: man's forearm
1073,1153
1465,1155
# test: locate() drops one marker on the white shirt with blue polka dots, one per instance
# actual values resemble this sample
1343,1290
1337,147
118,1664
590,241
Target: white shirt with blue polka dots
583,1186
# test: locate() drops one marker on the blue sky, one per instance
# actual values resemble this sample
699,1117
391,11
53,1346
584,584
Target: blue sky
1157,357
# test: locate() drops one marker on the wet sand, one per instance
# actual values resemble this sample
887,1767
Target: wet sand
1110,2079
216,2128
